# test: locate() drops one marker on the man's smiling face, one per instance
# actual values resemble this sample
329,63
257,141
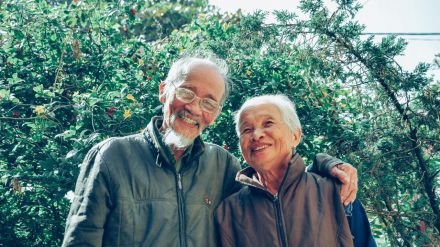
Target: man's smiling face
188,119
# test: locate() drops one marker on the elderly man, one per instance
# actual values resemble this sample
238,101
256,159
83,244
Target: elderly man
281,205
160,187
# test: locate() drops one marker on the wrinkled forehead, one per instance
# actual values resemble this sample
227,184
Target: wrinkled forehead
205,78
258,111
203,69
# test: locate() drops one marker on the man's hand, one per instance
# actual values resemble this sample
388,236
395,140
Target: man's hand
347,174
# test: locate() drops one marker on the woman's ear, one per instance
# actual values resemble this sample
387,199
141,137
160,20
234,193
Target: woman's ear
162,96
297,137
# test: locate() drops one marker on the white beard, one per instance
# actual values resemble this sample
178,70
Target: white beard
173,139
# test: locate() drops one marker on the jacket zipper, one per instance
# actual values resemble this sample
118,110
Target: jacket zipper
181,211
279,221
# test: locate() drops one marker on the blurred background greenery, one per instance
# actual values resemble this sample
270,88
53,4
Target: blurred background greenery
73,73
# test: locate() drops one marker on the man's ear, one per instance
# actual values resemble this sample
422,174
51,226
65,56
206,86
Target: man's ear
215,117
162,96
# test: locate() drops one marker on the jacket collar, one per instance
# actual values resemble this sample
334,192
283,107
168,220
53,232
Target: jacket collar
152,133
248,176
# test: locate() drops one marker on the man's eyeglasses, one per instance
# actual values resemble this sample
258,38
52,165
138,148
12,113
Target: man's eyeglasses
187,96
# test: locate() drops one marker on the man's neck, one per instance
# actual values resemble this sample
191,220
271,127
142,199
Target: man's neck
177,153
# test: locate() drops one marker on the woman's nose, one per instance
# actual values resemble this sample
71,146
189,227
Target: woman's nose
257,134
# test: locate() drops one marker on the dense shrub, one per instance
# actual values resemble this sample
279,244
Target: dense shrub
74,73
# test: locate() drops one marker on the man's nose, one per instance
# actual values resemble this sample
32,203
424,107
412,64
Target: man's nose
194,107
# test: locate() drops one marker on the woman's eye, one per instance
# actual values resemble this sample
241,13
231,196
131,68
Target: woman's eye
268,123
247,130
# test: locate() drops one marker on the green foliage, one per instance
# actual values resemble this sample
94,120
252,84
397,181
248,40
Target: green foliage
73,73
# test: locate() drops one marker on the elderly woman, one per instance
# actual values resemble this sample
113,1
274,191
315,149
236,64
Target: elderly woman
281,204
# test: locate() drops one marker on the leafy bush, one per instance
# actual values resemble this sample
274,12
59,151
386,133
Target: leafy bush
75,73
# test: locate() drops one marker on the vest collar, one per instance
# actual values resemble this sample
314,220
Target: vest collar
164,153
295,170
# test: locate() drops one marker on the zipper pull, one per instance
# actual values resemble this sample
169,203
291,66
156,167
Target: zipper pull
179,181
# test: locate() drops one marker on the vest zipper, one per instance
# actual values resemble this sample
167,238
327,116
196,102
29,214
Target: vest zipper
181,211
280,221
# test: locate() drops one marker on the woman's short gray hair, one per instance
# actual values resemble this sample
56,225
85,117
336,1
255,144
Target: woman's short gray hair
280,101
181,68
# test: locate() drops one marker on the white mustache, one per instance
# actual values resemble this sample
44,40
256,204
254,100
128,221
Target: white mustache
184,114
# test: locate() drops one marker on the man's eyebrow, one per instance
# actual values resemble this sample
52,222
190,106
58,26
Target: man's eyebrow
195,91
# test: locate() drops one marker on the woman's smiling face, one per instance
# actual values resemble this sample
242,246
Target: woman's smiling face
266,141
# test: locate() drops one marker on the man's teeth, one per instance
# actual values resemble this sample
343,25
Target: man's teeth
261,147
189,120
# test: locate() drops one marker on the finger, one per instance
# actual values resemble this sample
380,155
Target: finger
346,167
346,189
340,175
353,179
352,191
345,180
350,197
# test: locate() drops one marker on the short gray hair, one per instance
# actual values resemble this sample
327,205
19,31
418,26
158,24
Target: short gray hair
280,101
181,68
